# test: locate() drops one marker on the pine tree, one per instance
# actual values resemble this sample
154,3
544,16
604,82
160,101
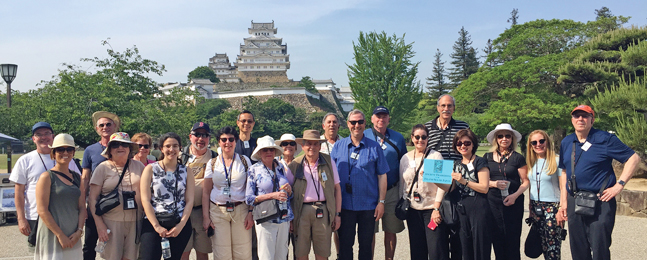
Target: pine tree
463,58
487,51
437,84
603,12
514,16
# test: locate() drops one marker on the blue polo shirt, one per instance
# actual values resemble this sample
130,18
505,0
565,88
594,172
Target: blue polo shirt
92,156
391,154
593,165
362,172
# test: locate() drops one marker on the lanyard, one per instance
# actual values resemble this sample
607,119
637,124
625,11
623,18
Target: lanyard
41,160
274,177
350,165
537,176
503,160
314,183
228,174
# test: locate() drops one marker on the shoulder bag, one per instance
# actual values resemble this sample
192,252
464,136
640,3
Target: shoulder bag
585,201
405,202
111,200
168,220
448,211
268,209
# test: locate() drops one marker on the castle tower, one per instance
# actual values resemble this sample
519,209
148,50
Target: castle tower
263,57
223,69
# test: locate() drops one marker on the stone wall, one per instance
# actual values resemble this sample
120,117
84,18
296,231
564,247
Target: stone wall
223,86
297,100
632,203
327,96
263,76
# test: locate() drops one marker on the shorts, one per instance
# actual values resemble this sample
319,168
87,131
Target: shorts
391,223
199,239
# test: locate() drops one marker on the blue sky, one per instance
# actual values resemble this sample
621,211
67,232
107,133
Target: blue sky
39,36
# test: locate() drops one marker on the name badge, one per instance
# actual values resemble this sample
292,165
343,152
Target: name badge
354,155
470,167
586,146
324,177
225,190
131,203
383,146
412,164
246,144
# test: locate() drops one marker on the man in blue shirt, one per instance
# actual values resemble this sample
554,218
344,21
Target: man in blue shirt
591,170
362,171
394,147
105,123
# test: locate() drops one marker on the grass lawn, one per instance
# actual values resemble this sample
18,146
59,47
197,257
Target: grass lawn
14,157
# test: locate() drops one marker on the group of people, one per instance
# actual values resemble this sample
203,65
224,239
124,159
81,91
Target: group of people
253,197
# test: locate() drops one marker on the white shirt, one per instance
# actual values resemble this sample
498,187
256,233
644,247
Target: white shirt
238,177
27,170
326,147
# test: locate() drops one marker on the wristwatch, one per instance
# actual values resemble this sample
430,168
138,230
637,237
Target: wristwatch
381,201
621,182
338,214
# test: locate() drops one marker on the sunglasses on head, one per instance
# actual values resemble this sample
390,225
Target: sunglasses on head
466,143
106,125
64,149
230,139
361,122
508,136
424,137
248,121
201,135
291,143
146,146
541,141
115,145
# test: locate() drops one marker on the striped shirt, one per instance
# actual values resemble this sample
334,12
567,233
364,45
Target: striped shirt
436,134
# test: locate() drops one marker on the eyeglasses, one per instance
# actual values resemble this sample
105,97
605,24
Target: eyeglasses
265,150
424,137
584,116
145,146
43,135
64,149
201,135
541,141
230,139
115,145
292,143
508,136
361,122
446,105
248,121
106,125
466,143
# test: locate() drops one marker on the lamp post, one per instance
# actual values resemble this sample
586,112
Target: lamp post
8,74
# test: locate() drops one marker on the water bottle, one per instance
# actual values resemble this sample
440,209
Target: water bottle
166,248
283,206
101,245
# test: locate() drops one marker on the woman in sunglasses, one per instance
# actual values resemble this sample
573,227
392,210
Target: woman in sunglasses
508,181
145,143
123,174
424,243
60,206
290,149
545,182
225,180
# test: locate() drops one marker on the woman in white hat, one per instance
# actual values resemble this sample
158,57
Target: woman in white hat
266,180
60,205
122,173
290,149
508,181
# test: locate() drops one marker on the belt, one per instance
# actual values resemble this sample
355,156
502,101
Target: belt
315,203
392,185
225,205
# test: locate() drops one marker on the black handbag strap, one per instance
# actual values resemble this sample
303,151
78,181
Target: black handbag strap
65,176
415,179
605,183
123,172
380,135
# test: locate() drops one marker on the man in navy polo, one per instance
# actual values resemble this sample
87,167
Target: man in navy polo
362,171
394,147
590,236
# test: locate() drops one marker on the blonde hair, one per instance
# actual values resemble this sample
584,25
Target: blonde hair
513,144
143,136
531,155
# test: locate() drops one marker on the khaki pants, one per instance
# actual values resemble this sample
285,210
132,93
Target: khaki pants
230,240
313,230
122,240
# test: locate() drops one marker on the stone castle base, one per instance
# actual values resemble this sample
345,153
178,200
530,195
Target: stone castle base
263,76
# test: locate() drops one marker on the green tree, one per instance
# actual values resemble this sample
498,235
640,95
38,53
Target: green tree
203,72
463,58
211,108
602,13
514,15
487,51
436,84
306,82
607,21
383,74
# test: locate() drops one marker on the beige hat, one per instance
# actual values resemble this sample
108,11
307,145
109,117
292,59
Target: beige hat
266,142
289,137
123,138
63,140
103,114
503,127
311,135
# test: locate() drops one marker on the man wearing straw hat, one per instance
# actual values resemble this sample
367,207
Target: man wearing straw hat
316,201
105,124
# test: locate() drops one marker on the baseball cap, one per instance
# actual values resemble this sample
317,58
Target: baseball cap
380,109
41,125
584,108
201,125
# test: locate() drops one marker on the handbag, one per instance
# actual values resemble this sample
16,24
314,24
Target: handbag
585,201
404,203
269,209
110,201
448,210
168,220
532,246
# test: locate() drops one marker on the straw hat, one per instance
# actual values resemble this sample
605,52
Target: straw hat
311,135
502,127
120,137
289,137
103,114
63,140
266,142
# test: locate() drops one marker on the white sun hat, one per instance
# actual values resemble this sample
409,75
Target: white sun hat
266,142
503,127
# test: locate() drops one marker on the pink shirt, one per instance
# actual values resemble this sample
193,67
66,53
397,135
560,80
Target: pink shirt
311,193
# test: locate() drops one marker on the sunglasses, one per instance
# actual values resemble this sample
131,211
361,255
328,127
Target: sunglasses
115,145
577,116
508,136
248,121
541,141
64,149
201,135
466,143
230,139
361,122
146,146
292,143
106,125
265,150
418,137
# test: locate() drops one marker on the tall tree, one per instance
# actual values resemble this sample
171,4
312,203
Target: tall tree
437,84
463,58
306,82
602,13
487,51
383,74
607,21
514,15
203,72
